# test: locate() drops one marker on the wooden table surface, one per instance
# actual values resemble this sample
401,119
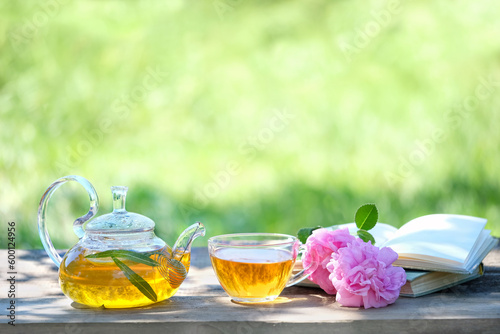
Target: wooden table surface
201,306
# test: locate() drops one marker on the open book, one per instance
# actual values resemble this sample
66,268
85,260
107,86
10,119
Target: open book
438,242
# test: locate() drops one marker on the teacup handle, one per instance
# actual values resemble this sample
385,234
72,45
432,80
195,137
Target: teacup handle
77,225
303,274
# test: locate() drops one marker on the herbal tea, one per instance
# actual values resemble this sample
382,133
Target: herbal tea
100,282
252,273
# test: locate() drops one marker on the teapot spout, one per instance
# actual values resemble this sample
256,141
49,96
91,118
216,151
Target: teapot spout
185,240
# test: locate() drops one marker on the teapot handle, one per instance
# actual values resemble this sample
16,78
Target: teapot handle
78,223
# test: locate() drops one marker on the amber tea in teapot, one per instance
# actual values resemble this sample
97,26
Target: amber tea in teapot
118,262
103,283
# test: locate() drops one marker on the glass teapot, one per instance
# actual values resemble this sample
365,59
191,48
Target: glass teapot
119,261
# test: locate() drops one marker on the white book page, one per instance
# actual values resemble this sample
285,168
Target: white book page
483,246
450,237
480,244
381,232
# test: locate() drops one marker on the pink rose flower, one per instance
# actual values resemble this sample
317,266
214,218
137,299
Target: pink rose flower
319,247
363,275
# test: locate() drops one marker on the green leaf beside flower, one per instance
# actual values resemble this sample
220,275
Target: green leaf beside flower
366,236
305,232
366,217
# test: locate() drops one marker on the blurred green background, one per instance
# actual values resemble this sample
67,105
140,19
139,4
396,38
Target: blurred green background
249,115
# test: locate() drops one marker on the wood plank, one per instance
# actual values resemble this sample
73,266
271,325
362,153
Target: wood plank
201,306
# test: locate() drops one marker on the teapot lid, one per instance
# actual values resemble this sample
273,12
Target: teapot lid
120,220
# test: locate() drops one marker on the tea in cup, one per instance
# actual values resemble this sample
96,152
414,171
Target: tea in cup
255,267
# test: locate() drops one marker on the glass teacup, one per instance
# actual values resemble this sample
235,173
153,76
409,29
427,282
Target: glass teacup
255,267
